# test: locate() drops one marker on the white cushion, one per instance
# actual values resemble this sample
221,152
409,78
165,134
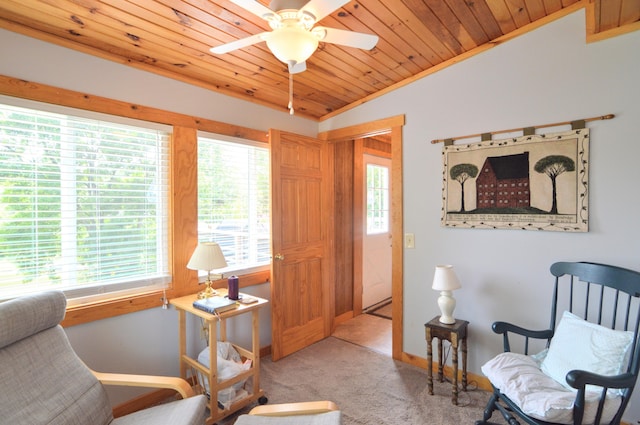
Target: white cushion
519,377
578,344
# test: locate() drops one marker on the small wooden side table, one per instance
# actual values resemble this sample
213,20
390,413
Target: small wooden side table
209,372
456,334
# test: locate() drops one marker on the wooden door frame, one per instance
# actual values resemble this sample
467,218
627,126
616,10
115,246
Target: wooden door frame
392,126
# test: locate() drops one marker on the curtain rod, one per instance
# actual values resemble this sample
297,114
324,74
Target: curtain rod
603,117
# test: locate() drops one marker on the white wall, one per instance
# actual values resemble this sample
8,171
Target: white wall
548,75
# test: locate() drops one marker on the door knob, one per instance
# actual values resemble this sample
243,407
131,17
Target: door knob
279,257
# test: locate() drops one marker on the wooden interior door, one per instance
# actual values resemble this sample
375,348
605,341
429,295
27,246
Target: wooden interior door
302,209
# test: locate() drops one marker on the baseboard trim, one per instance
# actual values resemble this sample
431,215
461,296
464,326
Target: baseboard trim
342,318
265,351
481,381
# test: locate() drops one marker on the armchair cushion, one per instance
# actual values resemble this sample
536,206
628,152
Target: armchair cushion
582,345
189,411
519,377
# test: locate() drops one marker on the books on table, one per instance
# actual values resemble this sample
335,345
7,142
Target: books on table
246,299
215,305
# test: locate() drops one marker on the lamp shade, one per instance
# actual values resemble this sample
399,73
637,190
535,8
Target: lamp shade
292,45
207,256
445,279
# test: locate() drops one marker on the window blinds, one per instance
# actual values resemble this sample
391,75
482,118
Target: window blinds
83,204
234,200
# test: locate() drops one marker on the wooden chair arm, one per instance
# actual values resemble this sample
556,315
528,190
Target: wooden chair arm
290,409
147,381
579,379
506,329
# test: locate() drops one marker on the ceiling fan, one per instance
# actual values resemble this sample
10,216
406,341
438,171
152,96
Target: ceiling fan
294,37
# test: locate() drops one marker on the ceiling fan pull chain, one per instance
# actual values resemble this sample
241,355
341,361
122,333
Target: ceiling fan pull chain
290,94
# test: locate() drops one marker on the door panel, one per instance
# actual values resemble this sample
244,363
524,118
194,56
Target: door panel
376,273
301,295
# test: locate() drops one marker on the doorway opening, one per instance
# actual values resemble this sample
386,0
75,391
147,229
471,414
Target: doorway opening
349,145
372,311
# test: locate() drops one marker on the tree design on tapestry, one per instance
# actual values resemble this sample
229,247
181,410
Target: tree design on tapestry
553,166
461,173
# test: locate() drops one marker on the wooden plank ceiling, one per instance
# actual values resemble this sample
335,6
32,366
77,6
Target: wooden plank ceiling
173,37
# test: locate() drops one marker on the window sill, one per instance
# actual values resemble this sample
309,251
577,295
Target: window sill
89,312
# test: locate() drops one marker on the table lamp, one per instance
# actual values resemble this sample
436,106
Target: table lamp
445,281
207,256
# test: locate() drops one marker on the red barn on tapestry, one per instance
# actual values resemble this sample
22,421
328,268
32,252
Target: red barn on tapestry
503,182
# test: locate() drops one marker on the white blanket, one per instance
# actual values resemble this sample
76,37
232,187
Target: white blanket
519,377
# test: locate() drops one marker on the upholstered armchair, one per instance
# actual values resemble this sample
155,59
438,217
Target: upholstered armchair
43,381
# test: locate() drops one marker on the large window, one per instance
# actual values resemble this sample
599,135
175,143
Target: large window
83,204
233,200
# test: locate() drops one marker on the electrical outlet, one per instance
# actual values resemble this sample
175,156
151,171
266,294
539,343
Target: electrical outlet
409,240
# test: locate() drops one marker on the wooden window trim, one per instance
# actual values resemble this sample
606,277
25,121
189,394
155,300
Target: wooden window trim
183,171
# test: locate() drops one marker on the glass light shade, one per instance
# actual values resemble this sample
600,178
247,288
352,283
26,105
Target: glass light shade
445,279
292,44
207,256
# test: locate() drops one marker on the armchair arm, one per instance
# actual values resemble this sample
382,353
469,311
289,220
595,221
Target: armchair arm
578,379
289,409
147,381
505,328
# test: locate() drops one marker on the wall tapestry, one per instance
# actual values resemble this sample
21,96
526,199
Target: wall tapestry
536,182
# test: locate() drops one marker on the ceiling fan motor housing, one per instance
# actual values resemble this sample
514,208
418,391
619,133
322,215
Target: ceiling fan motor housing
278,5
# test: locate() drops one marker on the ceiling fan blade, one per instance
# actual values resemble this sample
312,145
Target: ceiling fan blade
254,7
297,68
238,44
346,38
321,8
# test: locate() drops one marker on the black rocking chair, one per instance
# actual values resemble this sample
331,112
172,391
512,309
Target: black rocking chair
604,298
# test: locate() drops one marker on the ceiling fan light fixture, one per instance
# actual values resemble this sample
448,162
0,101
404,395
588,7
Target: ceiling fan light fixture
292,44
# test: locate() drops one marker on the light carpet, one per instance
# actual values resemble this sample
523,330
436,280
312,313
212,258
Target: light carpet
369,388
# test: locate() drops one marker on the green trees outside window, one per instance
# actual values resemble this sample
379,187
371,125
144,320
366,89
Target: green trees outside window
234,200
83,203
